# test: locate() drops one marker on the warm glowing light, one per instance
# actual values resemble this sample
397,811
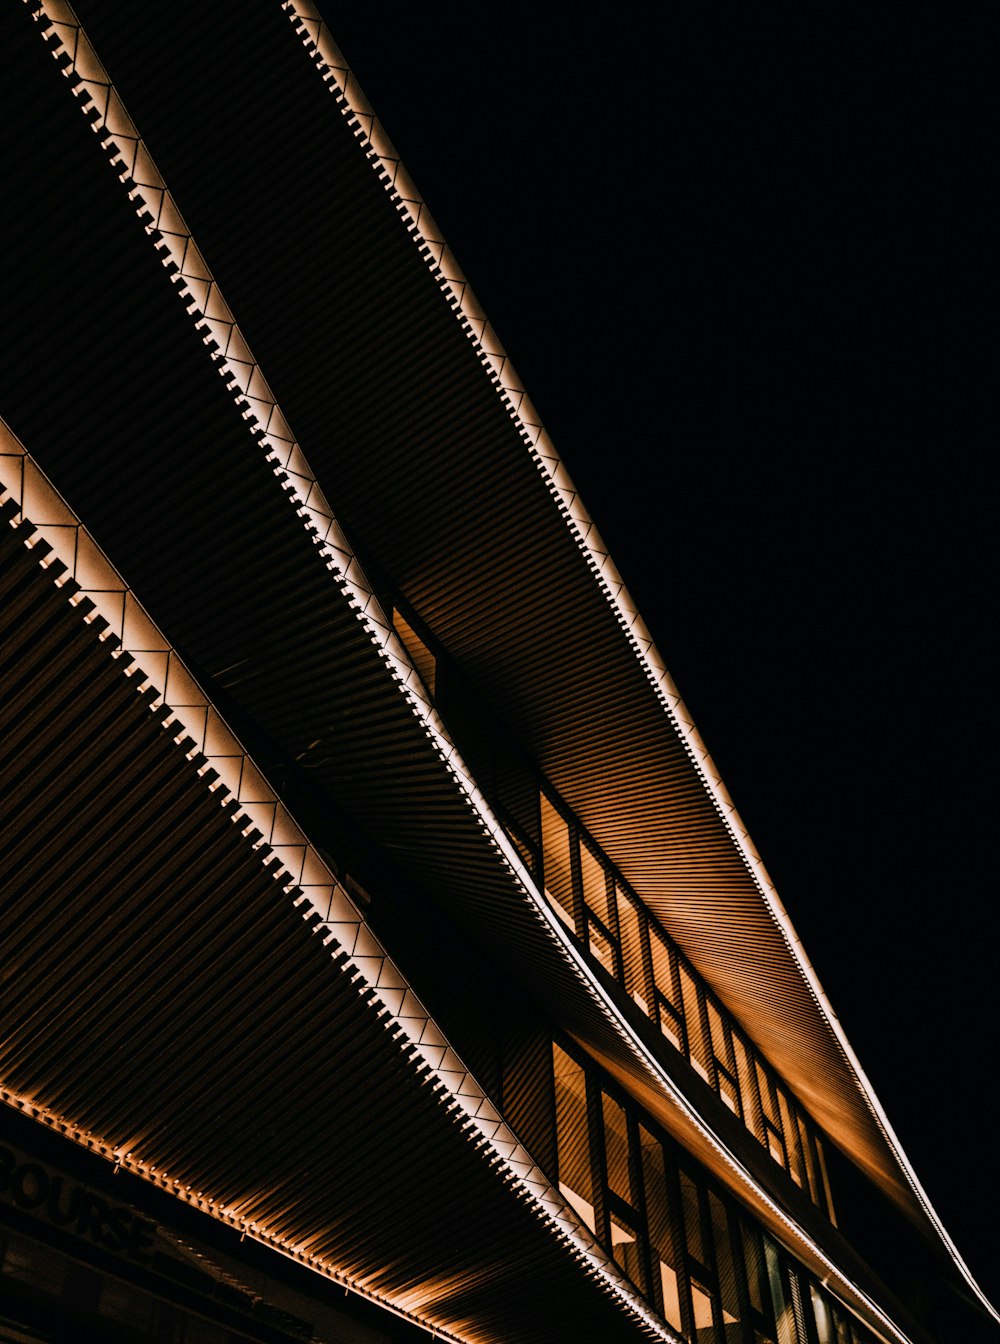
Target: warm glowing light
211,745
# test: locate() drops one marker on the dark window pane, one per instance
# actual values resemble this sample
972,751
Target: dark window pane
661,1241
793,1145
627,1249
631,925
753,1263
825,1180
572,1136
841,1326
664,970
825,1331
558,871
781,1297
726,1269
595,887
616,1148
692,1219
601,948
701,1309
815,1188
699,1049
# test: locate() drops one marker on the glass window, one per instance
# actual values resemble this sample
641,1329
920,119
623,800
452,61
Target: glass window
701,1310
668,996
670,1024
842,1328
805,1139
825,1332
573,1136
825,1179
727,1089
753,1263
617,932
558,871
601,947
632,928
664,970
709,1269
721,1043
700,1051
793,1145
616,1148
767,1101
724,1263
595,888
692,1219
752,1115
781,1297
661,1241
772,1123
627,1249
774,1145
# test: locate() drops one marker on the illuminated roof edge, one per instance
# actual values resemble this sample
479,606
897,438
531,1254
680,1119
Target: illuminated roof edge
308,22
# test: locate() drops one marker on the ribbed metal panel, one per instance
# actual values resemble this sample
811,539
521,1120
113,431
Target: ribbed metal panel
162,993
366,357
431,479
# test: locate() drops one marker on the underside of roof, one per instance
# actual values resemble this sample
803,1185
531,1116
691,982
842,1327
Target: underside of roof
493,902
414,427
141,920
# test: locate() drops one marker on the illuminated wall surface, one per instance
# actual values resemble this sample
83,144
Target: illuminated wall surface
383,957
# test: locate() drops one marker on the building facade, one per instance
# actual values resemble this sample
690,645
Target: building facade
383,957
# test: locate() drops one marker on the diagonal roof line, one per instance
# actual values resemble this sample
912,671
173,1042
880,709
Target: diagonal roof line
193,281
92,584
336,73
173,695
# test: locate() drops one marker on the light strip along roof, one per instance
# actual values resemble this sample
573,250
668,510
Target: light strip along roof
718,957
220,767
774,1053
540,930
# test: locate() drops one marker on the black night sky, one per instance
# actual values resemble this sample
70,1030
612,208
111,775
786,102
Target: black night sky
735,259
